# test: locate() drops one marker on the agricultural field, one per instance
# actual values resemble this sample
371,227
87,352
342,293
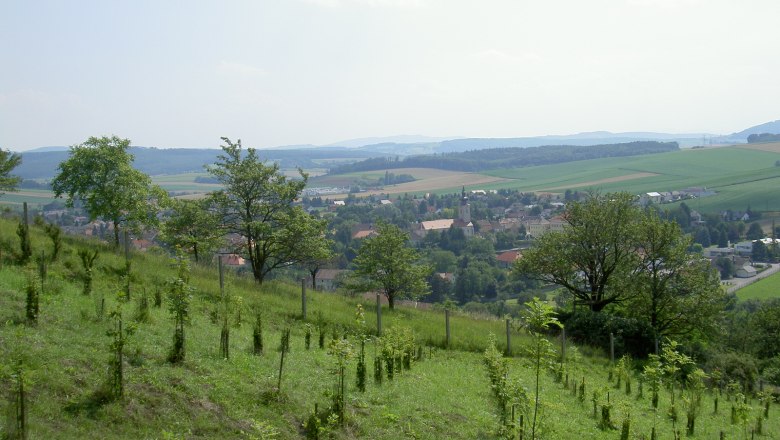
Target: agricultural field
184,183
766,288
741,175
446,393
34,197
428,180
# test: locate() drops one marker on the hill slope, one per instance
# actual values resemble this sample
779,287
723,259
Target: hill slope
446,394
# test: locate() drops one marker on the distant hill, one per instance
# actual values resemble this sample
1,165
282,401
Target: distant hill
768,127
394,140
154,161
47,149
580,139
41,163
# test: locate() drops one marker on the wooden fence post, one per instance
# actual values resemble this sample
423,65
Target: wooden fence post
127,265
303,297
378,315
221,278
508,341
612,347
447,326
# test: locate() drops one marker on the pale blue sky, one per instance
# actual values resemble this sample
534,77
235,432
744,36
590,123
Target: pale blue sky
277,72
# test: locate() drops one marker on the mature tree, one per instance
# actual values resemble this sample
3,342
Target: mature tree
760,251
678,293
764,328
9,161
754,232
725,267
474,280
256,203
100,173
592,256
703,237
193,227
318,253
442,261
441,288
385,262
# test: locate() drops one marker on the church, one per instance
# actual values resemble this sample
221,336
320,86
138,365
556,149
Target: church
463,221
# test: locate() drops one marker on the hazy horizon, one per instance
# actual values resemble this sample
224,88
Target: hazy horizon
317,72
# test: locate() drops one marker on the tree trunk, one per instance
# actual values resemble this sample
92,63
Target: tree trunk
116,234
390,300
255,262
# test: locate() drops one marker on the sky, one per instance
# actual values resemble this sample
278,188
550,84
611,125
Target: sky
170,74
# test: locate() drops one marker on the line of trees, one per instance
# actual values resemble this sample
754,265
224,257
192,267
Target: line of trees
255,204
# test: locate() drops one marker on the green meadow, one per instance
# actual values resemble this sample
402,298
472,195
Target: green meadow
765,288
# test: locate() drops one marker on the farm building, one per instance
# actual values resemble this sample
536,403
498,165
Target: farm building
746,271
328,279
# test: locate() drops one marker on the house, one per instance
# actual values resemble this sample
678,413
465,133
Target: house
744,247
718,252
485,226
328,279
142,244
510,224
508,258
539,226
746,271
363,230
446,276
651,197
234,260
696,218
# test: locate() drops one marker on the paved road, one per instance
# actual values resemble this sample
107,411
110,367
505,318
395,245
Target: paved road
735,284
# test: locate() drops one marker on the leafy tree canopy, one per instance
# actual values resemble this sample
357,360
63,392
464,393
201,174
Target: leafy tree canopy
9,161
192,227
593,255
100,174
256,203
385,263
678,293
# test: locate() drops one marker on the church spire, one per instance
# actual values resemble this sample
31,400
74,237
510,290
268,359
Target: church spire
464,210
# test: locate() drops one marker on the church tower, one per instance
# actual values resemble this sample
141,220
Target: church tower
464,210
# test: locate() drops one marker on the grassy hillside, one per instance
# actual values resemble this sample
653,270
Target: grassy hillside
445,395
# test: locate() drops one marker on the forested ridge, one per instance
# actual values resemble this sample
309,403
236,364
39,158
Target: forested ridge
486,159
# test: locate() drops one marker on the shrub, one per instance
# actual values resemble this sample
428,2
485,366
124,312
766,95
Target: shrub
738,367
632,336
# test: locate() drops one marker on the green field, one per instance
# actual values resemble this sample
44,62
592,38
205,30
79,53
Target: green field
740,176
765,288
